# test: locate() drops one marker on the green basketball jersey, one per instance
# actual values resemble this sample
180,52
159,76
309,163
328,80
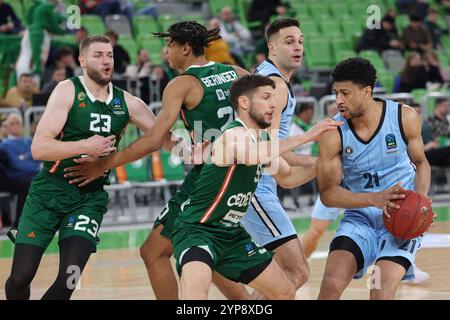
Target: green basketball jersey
88,117
222,195
214,110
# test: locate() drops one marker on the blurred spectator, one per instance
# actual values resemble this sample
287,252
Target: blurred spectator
382,39
164,73
416,36
143,65
234,33
35,46
445,4
17,167
3,128
419,74
80,35
102,8
433,28
262,10
218,50
436,72
302,122
261,48
121,57
9,23
64,59
127,8
59,74
20,96
436,155
18,149
419,7
438,122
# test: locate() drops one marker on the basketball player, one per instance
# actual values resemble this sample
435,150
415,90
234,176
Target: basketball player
207,235
266,220
85,115
364,166
201,95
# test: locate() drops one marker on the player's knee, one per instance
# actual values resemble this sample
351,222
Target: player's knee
316,233
288,292
20,280
387,293
330,288
300,276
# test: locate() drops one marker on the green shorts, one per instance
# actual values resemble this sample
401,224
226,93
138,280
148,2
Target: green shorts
232,256
172,209
54,205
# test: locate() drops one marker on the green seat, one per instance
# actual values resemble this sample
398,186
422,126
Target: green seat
330,27
340,9
318,10
443,59
374,58
172,170
350,27
358,10
138,171
338,45
386,80
154,47
166,21
402,21
318,53
197,18
445,42
309,27
217,5
418,94
145,25
242,7
131,46
344,55
94,24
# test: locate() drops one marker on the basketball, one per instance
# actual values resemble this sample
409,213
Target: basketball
413,217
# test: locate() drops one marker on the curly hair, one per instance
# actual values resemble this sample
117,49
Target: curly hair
192,33
357,70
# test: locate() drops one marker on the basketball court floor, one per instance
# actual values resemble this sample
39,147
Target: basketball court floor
116,271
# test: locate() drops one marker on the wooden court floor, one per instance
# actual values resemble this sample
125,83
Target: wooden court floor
120,274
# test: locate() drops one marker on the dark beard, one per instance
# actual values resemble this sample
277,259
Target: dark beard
261,123
96,77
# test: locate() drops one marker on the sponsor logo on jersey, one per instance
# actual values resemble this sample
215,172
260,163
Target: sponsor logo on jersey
233,216
31,235
348,150
117,104
81,96
82,105
71,221
249,247
391,143
240,199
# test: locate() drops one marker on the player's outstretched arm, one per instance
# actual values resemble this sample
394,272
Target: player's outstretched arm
45,145
173,98
290,177
144,119
239,146
412,128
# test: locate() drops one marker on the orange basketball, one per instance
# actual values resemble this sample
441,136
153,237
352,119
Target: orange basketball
412,219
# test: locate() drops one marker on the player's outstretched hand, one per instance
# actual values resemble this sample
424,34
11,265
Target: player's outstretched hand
99,146
87,170
322,126
383,199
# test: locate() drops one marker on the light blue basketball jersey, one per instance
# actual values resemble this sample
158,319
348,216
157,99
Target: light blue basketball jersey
376,164
268,68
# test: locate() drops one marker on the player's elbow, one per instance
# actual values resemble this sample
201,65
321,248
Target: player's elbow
327,198
286,183
37,151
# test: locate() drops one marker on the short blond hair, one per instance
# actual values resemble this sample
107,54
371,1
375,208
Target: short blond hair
85,43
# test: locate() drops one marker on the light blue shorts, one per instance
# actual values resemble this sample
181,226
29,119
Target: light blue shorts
376,243
266,221
321,212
